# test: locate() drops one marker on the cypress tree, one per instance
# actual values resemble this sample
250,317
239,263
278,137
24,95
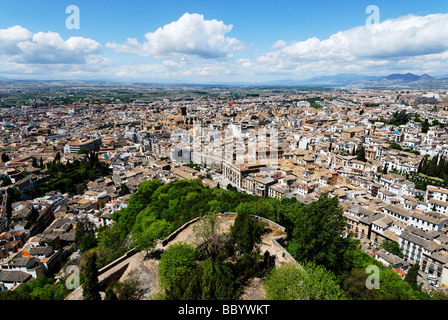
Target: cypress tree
420,166
91,287
361,154
5,157
425,165
246,231
444,169
411,276
440,167
432,166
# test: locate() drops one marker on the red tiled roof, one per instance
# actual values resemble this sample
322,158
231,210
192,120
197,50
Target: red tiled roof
400,272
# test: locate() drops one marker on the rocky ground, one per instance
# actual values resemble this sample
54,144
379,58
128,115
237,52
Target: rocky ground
145,270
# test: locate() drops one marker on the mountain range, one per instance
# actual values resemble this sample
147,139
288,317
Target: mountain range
409,80
349,81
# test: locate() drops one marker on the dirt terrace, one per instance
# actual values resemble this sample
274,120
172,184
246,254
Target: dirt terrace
146,270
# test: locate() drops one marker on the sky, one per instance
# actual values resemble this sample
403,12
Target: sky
209,41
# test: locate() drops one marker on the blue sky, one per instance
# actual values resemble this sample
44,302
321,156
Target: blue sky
212,41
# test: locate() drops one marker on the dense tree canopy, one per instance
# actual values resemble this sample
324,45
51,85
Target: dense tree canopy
399,118
245,230
64,177
319,237
309,282
42,288
220,265
392,247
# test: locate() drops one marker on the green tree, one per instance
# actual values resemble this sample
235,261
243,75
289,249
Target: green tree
355,286
110,244
34,163
137,202
110,294
5,157
399,118
175,263
128,289
319,235
91,287
83,151
361,154
85,235
213,245
411,276
124,190
146,239
307,282
42,288
425,126
432,167
209,280
6,181
216,281
392,247
246,231
392,287
396,146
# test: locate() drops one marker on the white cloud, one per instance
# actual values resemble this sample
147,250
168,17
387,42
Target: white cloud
11,37
50,48
279,44
191,35
45,55
197,49
396,41
19,45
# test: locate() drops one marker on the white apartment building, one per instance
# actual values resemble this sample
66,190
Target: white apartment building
75,146
436,193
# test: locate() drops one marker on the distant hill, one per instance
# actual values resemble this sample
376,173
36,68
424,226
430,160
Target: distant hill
340,79
407,80
348,80
408,77
392,80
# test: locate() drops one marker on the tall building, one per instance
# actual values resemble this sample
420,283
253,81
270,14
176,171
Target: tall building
75,146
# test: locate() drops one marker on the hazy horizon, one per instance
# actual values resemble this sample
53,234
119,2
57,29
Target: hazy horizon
206,42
